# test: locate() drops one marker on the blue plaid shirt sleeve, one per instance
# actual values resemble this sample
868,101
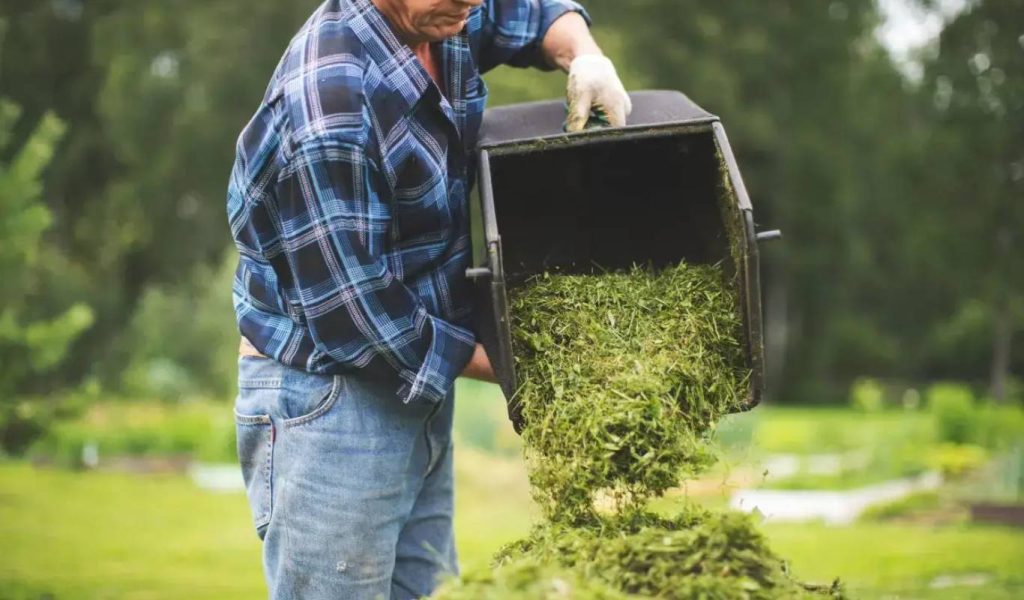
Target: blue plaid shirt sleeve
514,29
333,230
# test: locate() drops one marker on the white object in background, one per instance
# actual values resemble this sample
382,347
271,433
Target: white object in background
220,478
91,455
832,507
781,466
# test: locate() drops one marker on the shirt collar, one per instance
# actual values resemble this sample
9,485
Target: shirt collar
397,63
402,71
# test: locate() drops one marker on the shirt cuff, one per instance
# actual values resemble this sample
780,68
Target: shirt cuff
552,11
451,348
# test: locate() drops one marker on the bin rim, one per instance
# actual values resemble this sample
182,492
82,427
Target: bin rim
537,127
541,123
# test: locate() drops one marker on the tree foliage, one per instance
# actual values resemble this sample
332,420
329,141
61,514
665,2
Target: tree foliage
974,172
34,337
154,94
900,199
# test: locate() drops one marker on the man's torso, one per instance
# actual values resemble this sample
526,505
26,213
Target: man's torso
346,84
372,91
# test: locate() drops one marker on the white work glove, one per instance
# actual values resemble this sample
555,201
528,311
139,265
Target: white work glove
593,83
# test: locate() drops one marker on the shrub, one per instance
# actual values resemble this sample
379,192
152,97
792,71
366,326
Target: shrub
867,395
960,419
957,460
182,341
952,406
1000,427
201,430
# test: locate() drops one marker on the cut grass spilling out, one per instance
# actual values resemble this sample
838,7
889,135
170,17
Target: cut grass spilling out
623,377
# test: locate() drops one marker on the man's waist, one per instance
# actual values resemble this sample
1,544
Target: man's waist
245,348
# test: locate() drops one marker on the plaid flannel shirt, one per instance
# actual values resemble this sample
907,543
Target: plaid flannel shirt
348,199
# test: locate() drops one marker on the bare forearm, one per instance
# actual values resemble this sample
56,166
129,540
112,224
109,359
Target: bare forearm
567,38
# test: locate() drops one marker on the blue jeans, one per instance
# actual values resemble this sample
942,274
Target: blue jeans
350,489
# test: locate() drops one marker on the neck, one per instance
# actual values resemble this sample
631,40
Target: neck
401,24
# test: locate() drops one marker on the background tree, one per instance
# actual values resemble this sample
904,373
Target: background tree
34,337
900,198
974,180
154,95
811,101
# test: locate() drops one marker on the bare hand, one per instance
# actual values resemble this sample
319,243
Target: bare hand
479,367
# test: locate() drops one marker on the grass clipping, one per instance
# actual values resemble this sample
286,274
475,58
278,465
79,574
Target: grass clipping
623,377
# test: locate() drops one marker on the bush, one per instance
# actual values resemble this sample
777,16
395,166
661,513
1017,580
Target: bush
816,431
182,340
1000,427
24,422
952,406
957,460
960,419
914,503
201,430
867,395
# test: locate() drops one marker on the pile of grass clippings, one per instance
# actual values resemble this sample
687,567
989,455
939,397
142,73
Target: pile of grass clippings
623,377
695,554
529,580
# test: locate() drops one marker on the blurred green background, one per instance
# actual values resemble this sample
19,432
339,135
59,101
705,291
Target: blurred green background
886,138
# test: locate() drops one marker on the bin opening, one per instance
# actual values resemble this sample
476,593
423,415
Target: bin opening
611,204
664,189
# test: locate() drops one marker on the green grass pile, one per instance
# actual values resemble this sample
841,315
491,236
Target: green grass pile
623,376
695,554
528,580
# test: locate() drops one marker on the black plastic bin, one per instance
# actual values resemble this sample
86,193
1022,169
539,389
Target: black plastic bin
662,189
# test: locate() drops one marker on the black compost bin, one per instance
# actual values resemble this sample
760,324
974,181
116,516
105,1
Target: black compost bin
663,189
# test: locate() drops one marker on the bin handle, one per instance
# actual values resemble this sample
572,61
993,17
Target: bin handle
598,120
479,273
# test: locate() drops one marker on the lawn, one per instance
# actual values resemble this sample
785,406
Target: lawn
72,534
108,535
882,560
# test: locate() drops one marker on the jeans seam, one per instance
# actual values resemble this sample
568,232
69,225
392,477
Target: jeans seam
263,423
260,384
426,436
326,405
268,476
241,419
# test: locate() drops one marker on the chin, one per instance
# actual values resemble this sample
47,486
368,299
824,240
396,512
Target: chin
439,33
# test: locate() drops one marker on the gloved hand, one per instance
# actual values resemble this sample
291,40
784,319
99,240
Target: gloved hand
593,83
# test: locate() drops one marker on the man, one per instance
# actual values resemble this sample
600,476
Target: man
348,204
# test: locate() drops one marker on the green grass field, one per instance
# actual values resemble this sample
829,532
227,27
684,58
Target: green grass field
84,535
106,535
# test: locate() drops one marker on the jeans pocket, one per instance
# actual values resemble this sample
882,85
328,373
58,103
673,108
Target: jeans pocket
315,402
256,454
